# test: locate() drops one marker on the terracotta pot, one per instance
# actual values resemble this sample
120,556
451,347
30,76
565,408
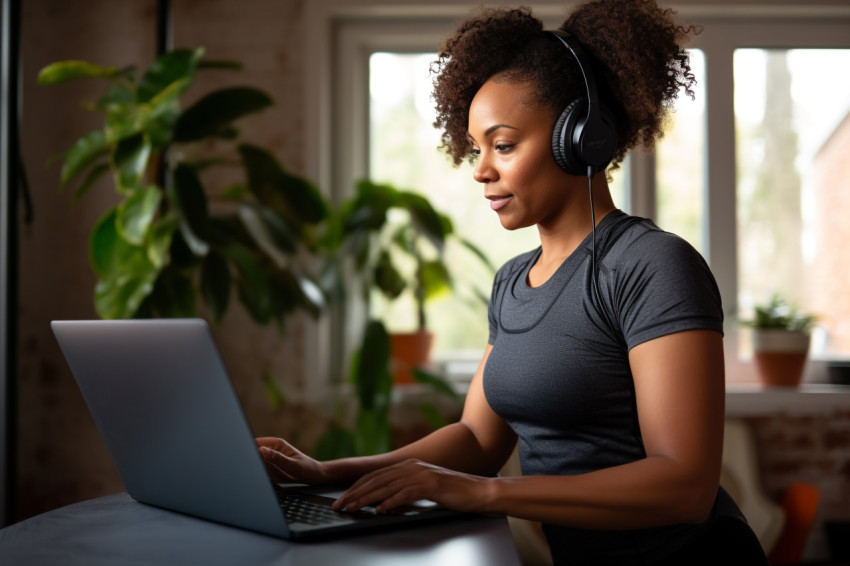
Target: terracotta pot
780,356
409,350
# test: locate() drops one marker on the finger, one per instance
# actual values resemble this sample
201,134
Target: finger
402,496
280,462
270,442
377,487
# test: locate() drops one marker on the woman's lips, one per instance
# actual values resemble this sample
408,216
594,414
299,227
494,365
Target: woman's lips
497,202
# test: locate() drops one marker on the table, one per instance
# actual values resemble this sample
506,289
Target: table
116,530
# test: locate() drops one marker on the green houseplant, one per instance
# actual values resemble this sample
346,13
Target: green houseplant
393,241
397,239
781,335
170,243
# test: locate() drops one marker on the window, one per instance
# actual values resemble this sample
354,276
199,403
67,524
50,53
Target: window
680,163
700,183
793,188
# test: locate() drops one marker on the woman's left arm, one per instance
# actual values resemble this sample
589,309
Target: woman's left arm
679,387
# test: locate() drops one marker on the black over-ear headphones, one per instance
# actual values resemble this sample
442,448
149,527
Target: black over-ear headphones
585,134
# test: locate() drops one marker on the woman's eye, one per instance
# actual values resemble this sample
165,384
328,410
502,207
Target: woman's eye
503,147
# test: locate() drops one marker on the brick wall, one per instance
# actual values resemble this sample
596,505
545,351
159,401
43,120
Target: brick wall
814,449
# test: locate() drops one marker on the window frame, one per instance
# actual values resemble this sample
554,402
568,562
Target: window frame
344,34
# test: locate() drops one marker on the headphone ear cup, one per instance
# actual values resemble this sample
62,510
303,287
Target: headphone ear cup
563,135
571,126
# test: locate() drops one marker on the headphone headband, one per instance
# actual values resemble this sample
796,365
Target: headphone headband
576,49
585,134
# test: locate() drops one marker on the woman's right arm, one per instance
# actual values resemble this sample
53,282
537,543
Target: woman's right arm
479,444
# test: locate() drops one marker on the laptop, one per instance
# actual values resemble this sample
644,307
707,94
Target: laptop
167,411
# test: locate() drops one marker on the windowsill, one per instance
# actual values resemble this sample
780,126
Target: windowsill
749,400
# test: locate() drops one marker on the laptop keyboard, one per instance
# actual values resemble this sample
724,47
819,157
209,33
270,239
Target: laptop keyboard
301,509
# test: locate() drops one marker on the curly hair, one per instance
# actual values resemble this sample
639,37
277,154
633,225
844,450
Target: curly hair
635,52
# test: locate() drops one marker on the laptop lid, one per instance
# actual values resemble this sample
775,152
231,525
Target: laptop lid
165,407
162,400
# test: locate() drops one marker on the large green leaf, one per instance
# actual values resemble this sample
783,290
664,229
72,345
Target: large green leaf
373,432
191,203
292,290
387,278
131,160
125,275
285,294
62,71
122,296
436,279
136,213
94,174
215,284
228,229
425,218
372,373
292,197
160,238
252,283
269,232
172,67
83,153
123,121
174,294
214,112
314,297
116,94
368,210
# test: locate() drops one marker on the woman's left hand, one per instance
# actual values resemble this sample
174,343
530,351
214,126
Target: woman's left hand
412,480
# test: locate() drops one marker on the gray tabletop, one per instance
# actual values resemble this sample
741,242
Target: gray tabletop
116,530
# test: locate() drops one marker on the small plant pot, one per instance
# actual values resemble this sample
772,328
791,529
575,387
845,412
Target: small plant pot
408,351
780,356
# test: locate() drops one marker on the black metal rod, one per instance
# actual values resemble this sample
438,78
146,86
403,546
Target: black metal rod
9,186
164,37
164,44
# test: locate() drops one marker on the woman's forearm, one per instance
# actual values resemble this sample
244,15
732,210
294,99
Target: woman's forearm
453,446
646,493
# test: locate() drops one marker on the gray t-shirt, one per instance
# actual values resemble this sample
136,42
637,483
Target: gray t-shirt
559,373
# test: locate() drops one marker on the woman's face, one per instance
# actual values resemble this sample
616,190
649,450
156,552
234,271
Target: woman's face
512,140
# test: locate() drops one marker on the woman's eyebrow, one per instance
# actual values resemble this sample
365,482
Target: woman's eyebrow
492,129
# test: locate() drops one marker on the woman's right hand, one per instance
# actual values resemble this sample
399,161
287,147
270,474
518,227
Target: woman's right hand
286,464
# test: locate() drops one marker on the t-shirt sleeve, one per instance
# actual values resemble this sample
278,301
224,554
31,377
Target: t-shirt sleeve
664,286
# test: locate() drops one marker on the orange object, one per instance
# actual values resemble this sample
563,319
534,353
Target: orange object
409,351
800,505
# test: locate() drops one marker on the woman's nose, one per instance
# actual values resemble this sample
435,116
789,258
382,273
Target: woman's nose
484,171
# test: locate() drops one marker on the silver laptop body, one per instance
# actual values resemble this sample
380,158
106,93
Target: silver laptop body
161,398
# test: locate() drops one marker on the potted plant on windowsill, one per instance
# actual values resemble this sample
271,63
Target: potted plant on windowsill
781,335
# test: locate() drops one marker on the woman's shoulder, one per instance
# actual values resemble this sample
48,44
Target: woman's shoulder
641,241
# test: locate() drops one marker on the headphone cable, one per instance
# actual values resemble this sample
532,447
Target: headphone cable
595,279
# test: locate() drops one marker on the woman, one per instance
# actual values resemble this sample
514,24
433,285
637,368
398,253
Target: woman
605,357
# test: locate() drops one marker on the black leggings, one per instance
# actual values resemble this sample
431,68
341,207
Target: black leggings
726,541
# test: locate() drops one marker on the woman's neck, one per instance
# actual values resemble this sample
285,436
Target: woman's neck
560,236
